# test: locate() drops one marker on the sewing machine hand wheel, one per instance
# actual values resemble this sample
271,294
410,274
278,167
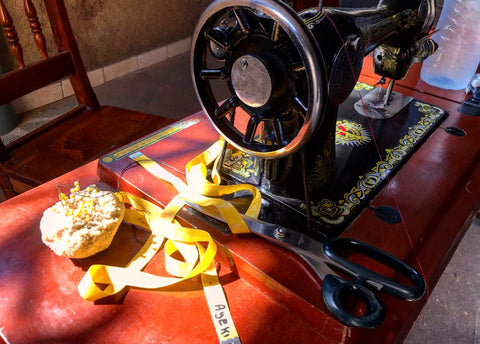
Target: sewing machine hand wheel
275,73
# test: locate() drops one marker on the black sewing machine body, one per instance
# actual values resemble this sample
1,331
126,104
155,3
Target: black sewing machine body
295,119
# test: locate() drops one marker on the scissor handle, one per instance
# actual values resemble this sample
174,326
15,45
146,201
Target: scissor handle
372,279
334,287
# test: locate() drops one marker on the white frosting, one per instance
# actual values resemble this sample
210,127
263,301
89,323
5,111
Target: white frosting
82,225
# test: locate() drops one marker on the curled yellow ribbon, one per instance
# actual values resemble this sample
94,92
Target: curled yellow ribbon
197,247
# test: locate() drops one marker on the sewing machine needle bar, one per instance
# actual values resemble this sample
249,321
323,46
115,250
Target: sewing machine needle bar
388,94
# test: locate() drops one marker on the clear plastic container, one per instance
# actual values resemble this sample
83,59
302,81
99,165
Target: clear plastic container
458,54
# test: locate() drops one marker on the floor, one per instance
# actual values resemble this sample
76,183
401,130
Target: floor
452,314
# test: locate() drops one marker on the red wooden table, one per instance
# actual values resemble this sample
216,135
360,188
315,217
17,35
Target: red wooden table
274,297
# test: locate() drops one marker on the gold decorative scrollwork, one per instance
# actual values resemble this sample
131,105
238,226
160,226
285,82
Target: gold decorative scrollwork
240,163
322,172
335,212
147,141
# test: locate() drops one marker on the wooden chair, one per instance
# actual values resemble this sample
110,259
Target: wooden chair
84,133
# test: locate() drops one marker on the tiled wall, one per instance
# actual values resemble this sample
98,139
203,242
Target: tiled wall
59,90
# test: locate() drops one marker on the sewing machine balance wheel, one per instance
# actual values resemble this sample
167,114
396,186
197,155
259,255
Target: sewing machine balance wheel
264,56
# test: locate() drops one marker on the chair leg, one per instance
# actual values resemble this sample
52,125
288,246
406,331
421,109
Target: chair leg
5,185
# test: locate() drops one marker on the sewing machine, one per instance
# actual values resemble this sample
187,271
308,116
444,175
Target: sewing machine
274,295
277,86
315,149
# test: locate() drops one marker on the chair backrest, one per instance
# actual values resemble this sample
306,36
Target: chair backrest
65,62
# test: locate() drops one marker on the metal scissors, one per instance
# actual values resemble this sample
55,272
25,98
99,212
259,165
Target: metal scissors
325,259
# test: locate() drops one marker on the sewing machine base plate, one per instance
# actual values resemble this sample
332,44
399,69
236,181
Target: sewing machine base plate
360,173
368,151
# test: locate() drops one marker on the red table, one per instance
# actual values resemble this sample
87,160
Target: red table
274,297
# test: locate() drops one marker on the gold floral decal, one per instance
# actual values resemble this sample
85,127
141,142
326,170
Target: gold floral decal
361,86
351,133
335,213
240,163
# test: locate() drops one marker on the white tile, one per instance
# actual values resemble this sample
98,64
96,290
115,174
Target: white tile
96,77
67,88
151,57
179,47
43,96
118,69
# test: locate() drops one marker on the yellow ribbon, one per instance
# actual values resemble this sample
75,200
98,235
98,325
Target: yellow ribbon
196,246
101,280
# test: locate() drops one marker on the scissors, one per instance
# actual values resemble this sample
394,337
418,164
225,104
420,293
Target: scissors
325,258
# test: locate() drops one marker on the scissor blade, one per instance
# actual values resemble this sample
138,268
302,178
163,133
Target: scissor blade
285,237
307,248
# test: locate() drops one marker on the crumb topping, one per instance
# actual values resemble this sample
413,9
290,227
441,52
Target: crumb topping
83,222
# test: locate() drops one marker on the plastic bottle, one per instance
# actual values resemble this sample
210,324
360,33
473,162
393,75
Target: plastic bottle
458,54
